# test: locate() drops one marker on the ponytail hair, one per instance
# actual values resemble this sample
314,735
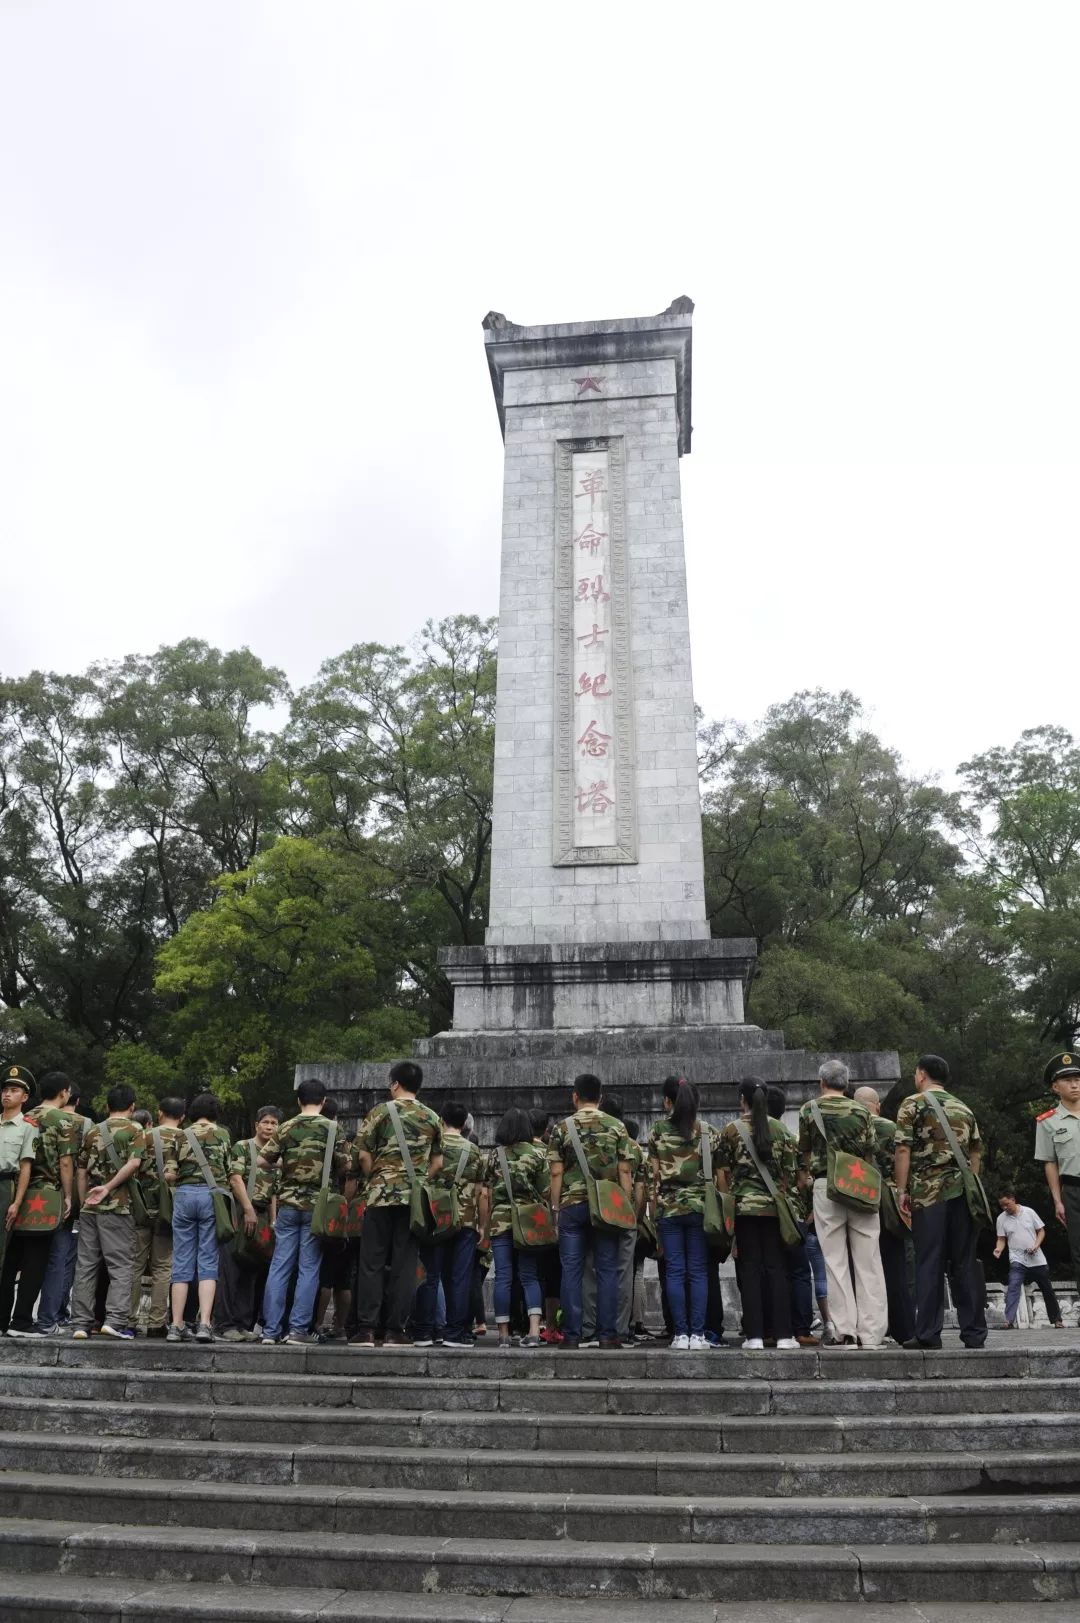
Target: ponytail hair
684,1109
753,1090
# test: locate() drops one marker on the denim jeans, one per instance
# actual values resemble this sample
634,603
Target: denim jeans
801,1286
294,1240
1020,1274
502,1249
59,1278
450,1265
816,1261
195,1249
576,1237
685,1264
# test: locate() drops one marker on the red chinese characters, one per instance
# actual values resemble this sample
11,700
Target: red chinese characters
592,589
593,684
591,539
593,742
594,798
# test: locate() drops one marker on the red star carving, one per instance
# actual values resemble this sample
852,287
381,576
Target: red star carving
588,382
37,1204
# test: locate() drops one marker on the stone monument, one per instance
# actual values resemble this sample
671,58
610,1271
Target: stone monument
598,951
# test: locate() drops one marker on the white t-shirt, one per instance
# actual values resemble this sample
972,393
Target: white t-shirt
1020,1232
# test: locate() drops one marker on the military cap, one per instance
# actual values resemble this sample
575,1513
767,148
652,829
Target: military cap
1061,1065
17,1076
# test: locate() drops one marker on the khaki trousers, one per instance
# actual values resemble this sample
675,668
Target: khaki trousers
109,1238
153,1256
849,1244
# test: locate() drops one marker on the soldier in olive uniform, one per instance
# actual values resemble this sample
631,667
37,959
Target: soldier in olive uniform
607,1154
47,1201
242,1278
930,1186
1057,1146
17,1140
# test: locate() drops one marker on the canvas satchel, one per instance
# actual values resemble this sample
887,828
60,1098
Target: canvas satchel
224,1227
531,1222
135,1194
974,1193
254,1250
787,1213
165,1193
444,1205
610,1208
41,1210
851,1180
419,1210
719,1209
330,1213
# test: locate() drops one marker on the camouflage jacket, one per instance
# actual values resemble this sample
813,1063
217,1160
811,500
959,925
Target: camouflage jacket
850,1127
752,1199
678,1177
388,1182
58,1134
603,1142
244,1152
148,1173
129,1140
474,1173
527,1165
297,1148
216,1143
885,1153
935,1175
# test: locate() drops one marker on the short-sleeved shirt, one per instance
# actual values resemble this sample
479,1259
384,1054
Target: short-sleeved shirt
58,1135
388,1181
297,1148
604,1144
885,1152
473,1172
849,1125
1020,1231
149,1182
128,1140
18,1137
935,1175
244,1153
528,1168
215,1142
1057,1138
752,1198
678,1183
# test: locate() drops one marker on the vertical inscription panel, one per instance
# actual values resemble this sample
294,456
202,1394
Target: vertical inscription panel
594,812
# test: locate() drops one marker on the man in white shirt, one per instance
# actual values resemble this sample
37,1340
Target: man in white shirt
1023,1231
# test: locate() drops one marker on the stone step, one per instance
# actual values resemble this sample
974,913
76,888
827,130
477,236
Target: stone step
781,1474
260,1384
509,1567
914,1520
617,1435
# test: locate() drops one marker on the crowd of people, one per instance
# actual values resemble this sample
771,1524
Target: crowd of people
842,1232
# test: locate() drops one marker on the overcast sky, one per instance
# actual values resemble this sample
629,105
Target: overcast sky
245,249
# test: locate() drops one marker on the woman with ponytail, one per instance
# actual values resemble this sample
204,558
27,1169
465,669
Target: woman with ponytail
762,1271
677,1185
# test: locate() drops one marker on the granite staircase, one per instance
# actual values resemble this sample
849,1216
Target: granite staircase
143,1481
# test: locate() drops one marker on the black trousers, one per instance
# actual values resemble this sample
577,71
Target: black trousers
762,1275
238,1299
386,1268
945,1238
27,1256
894,1265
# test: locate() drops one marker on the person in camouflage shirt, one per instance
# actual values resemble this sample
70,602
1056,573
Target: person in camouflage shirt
195,1248
677,1183
297,1148
607,1152
763,1271
387,1241
895,1248
449,1262
930,1187
153,1239
60,1271
51,1174
242,1279
526,1164
106,1226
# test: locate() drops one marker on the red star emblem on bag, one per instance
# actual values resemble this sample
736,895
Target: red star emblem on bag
264,1235
857,1170
37,1204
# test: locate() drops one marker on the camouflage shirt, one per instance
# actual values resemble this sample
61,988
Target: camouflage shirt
752,1199
603,1142
527,1165
474,1172
58,1134
128,1139
216,1143
148,1173
885,1154
934,1175
297,1148
678,1181
388,1182
243,1154
850,1127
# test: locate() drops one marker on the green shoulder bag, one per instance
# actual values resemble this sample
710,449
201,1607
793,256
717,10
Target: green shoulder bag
787,1211
977,1202
224,1227
531,1222
330,1213
163,1220
139,1212
444,1205
719,1209
610,1207
851,1180
254,1250
420,1225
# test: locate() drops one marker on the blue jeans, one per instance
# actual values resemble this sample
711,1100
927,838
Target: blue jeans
686,1262
576,1237
59,1277
294,1240
817,1262
502,1250
449,1265
195,1249
801,1285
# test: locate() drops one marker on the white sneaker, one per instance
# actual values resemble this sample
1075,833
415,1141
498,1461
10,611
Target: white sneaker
755,1344
680,1343
789,1344
699,1344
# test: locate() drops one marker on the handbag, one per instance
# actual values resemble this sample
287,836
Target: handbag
254,1250
893,1220
139,1209
224,1227
610,1208
531,1222
719,1209
419,1211
974,1193
41,1210
851,1180
331,1210
787,1213
165,1193
444,1205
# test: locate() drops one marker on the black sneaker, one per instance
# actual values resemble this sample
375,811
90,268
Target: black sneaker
303,1338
